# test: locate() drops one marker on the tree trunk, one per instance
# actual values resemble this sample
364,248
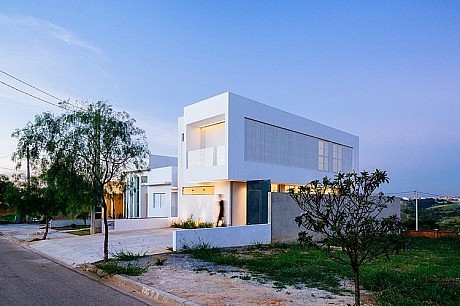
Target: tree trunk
47,225
106,233
357,291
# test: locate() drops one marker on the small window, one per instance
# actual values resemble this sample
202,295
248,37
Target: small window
198,190
143,179
159,200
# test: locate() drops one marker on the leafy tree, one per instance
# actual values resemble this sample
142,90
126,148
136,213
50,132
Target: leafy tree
5,183
93,142
347,215
13,196
71,188
34,199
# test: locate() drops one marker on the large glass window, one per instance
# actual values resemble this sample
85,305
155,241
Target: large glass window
323,155
337,158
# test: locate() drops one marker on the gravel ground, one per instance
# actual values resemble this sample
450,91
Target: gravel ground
209,284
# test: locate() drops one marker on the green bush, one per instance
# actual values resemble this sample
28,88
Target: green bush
189,223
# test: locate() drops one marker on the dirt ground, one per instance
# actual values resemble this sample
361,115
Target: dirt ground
209,284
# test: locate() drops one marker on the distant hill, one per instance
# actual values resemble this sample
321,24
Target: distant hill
433,214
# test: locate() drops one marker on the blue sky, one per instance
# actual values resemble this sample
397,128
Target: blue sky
387,71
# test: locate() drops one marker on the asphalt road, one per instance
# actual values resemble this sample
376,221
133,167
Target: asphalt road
27,278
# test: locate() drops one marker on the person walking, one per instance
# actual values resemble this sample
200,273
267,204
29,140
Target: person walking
220,217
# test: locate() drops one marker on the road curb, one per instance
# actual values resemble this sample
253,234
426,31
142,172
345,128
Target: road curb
155,294
24,243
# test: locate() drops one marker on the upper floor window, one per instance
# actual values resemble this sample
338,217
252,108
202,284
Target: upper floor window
337,158
323,155
212,135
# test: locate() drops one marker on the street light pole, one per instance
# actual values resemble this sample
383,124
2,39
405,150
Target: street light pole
416,210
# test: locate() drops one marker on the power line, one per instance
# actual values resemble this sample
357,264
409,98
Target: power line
412,192
31,95
429,194
40,90
399,193
23,82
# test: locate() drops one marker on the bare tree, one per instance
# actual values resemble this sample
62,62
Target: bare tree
348,215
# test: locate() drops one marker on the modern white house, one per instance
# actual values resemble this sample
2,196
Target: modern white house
150,197
239,148
246,153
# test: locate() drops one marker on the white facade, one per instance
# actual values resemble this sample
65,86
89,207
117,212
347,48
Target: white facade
234,146
152,193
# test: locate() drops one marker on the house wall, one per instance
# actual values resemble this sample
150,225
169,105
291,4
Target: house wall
222,236
121,225
155,209
240,108
238,212
199,166
157,180
284,210
205,207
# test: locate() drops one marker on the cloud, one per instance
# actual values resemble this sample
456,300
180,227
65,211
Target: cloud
50,29
161,134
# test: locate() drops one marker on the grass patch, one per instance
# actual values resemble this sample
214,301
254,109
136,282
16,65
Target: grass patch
82,232
160,261
282,263
124,255
426,274
115,267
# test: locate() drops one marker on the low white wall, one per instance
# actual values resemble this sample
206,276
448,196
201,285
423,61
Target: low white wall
121,225
222,236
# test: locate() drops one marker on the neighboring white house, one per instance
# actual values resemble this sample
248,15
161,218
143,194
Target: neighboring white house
152,193
243,149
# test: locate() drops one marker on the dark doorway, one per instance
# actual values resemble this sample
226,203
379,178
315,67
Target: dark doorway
257,201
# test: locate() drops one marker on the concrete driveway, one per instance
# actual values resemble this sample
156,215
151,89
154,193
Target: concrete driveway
75,250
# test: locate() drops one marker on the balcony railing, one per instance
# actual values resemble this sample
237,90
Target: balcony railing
208,157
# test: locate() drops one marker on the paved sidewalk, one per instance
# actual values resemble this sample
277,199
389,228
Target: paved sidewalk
75,250
172,284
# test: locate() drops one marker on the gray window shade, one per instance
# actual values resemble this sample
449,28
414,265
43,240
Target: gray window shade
275,145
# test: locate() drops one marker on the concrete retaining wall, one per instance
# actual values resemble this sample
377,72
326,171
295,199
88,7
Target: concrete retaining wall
222,236
121,225
284,210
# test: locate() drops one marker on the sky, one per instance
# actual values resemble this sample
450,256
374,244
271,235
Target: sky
386,71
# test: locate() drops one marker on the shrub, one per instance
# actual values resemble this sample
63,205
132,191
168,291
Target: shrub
115,267
189,223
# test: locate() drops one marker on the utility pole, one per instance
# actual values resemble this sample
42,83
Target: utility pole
416,210
28,197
